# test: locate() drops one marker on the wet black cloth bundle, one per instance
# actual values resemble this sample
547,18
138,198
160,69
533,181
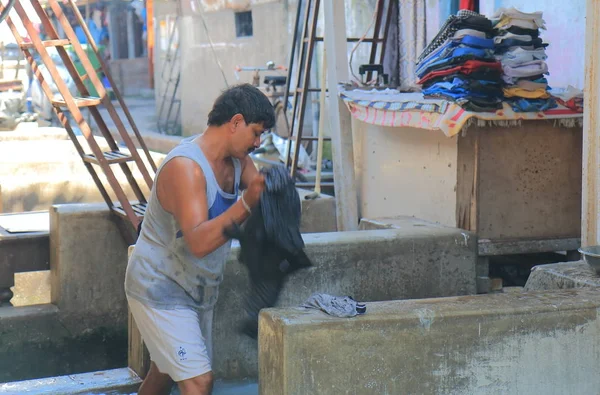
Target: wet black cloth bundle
271,246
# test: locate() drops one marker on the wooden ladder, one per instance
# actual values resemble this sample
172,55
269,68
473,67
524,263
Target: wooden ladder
302,77
133,210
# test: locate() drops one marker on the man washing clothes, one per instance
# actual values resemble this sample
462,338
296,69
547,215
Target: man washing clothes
174,273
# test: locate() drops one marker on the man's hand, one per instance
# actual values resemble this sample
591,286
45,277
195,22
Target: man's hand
254,190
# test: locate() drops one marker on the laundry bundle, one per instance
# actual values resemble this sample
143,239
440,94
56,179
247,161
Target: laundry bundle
271,245
337,306
570,97
522,53
459,64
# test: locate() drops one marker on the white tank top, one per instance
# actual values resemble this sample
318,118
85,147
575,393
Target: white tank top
161,271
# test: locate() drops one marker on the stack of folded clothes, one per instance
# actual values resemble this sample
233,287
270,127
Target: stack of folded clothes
522,53
459,64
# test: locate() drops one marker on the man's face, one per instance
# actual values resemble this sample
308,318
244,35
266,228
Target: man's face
246,138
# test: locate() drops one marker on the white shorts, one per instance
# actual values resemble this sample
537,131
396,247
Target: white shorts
179,340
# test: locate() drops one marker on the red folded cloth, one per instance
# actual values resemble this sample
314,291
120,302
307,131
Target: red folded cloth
465,68
572,104
468,5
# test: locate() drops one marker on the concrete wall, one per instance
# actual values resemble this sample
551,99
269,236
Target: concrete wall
37,341
130,75
516,343
87,319
494,180
201,77
565,32
80,235
85,327
368,265
273,22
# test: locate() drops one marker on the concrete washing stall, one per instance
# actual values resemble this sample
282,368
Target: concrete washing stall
84,328
513,343
425,331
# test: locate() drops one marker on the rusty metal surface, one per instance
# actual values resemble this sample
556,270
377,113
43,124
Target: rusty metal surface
376,28
64,91
302,78
305,83
91,73
106,71
8,85
73,104
48,92
70,33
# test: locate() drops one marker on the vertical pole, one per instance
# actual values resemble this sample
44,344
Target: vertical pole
130,35
340,124
113,31
591,127
150,35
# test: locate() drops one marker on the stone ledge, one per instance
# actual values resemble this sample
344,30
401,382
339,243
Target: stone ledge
375,265
501,343
562,275
398,222
84,383
27,312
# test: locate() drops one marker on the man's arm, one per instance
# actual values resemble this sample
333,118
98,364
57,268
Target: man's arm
181,189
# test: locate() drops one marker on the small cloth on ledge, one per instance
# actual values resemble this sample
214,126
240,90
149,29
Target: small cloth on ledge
337,306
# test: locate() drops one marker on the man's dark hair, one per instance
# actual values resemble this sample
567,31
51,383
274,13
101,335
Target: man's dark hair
242,99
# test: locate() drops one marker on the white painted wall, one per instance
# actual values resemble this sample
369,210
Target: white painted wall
565,24
405,172
204,54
